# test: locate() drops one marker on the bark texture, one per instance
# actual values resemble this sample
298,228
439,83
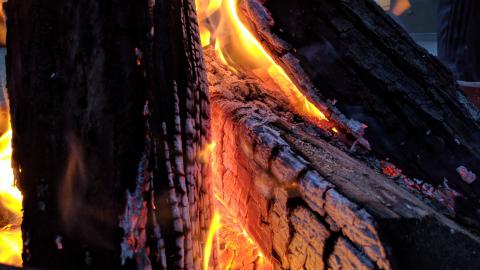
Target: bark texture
350,53
308,201
109,106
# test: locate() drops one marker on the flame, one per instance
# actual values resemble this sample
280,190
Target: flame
238,246
10,196
235,45
400,7
214,227
243,231
3,27
11,245
204,155
10,200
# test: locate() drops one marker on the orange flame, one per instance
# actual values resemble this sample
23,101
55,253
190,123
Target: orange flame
400,7
3,26
235,46
235,239
237,243
220,24
11,200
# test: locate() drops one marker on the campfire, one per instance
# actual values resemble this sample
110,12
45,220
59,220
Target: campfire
221,27
217,134
10,200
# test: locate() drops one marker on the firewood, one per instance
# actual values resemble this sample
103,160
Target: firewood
112,107
354,55
109,108
309,201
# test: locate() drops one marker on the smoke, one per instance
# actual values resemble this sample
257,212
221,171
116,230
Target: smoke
73,185
81,218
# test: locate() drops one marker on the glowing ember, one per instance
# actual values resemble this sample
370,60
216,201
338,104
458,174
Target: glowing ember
236,248
10,206
235,45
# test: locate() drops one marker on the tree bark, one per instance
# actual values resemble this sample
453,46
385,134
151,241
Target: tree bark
109,107
350,53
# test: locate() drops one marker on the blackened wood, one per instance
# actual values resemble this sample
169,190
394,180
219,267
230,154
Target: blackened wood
174,61
353,53
458,39
318,206
97,93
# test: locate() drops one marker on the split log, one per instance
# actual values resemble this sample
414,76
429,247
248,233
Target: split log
312,204
109,107
350,53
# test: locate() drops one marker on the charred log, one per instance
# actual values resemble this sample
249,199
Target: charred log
109,107
312,204
350,53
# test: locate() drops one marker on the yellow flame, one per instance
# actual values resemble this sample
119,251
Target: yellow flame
220,25
204,36
205,154
10,200
11,245
214,227
236,45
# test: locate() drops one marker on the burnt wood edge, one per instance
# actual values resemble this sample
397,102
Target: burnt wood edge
432,83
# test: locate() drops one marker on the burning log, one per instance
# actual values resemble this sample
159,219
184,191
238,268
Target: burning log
352,55
109,108
307,201
115,174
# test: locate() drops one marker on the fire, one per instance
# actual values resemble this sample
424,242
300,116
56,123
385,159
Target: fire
11,245
220,24
396,7
11,202
237,249
205,153
214,227
400,7
234,246
221,27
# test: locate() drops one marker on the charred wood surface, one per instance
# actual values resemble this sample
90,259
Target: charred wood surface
350,53
109,107
312,204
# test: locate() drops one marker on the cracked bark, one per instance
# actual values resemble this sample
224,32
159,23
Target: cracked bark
351,53
356,212
115,94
